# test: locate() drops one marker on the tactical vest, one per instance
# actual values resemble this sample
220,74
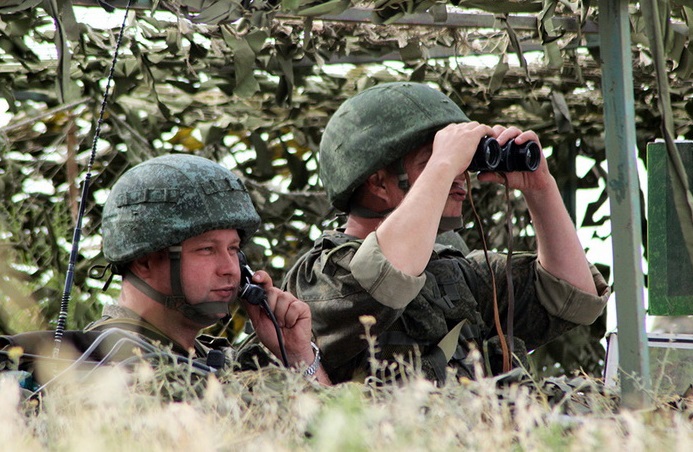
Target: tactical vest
441,324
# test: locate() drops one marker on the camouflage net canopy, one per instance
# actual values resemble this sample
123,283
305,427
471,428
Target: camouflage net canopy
251,84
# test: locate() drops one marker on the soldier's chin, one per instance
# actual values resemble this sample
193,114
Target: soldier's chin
449,223
208,320
207,314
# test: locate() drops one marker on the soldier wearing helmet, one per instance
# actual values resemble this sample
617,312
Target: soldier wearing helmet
174,226
393,158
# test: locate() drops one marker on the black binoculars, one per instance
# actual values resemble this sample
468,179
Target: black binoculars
490,156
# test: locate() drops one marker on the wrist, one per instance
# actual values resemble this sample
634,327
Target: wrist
540,189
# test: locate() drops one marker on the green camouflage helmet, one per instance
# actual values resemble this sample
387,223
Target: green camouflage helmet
375,128
168,199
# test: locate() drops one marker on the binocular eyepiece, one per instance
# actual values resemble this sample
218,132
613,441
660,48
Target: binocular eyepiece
490,156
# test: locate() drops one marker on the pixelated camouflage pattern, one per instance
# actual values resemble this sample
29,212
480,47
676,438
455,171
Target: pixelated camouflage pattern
375,128
168,199
116,316
457,288
249,355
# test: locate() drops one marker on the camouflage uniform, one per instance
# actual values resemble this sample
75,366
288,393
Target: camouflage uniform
115,316
343,278
447,309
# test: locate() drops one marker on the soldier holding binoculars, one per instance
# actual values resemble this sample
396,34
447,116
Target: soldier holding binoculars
394,158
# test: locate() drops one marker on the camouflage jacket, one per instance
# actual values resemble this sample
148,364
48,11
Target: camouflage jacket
243,358
342,279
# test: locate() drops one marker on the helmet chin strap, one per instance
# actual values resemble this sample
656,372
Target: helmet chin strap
204,313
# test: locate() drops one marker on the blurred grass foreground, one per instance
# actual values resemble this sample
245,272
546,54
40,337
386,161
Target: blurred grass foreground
167,408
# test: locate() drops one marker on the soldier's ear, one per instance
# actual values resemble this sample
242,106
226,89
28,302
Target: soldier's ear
377,183
384,185
144,266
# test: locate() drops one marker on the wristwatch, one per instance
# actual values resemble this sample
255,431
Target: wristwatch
316,362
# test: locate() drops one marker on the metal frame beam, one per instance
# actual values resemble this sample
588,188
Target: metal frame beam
624,198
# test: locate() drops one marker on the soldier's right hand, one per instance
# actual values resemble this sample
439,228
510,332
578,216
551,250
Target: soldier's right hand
457,143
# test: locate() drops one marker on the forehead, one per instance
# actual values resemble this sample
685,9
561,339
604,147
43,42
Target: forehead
216,235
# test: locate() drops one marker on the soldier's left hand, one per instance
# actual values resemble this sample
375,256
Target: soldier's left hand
293,317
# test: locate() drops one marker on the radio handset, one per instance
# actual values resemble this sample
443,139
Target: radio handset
252,293
255,295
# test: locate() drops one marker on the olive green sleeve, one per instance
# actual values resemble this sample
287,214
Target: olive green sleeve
565,301
381,279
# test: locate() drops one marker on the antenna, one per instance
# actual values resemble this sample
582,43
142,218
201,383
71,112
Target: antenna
69,276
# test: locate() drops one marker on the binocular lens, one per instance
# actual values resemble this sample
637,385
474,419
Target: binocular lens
489,156
524,157
532,155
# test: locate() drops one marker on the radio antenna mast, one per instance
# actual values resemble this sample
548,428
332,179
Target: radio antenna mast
70,274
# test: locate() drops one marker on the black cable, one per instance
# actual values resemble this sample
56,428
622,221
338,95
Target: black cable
280,336
256,295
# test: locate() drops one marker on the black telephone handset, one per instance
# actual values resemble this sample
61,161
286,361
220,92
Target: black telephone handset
254,294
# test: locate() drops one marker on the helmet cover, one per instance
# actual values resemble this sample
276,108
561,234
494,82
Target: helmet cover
168,199
374,128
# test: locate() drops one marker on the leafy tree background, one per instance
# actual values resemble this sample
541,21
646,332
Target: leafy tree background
252,84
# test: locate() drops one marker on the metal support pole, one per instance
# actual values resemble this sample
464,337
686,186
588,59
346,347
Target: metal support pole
565,154
619,126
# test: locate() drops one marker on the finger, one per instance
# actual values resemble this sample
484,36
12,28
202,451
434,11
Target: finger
489,176
254,312
528,135
508,134
272,300
497,130
297,311
487,130
262,278
281,307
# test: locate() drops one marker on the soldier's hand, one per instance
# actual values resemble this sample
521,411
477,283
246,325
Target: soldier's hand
293,317
457,143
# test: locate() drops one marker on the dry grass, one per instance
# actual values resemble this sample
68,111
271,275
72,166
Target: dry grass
274,409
